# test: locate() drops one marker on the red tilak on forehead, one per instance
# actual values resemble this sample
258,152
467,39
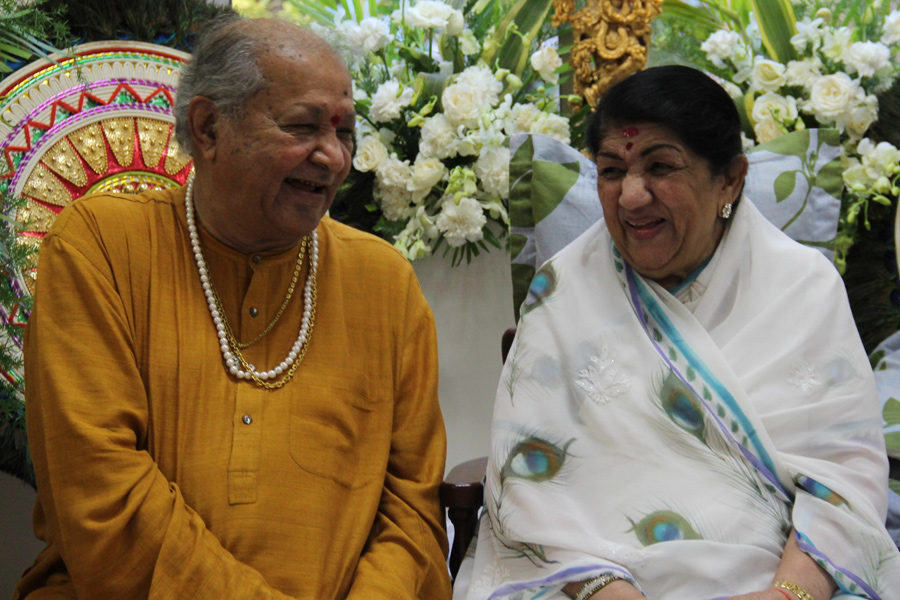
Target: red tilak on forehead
629,132
335,120
629,146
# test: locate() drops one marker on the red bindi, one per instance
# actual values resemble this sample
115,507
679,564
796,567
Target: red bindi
335,120
629,132
629,146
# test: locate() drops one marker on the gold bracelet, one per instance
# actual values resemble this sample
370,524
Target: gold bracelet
794,589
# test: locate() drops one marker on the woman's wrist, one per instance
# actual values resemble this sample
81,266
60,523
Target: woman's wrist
791,590
592,586
602,588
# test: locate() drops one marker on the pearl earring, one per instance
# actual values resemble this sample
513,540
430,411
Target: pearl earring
725,213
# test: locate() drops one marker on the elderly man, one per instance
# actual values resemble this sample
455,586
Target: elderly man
229,394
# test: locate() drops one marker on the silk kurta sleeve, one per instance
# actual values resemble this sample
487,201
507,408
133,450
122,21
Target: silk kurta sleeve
406,552
122,529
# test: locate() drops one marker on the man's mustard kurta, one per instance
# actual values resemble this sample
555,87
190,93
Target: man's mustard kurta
160,476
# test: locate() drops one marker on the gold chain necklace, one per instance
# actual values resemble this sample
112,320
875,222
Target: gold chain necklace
234,360
287,298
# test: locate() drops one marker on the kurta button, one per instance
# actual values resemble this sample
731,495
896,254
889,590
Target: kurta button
253,311
256,258
247,419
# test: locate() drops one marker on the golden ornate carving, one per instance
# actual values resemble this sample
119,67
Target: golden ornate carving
38,218
43,185
132,182
152,135
63,161
120,135
176,160
88,141
611,38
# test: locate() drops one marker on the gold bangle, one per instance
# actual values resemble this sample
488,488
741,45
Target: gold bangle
794,589
594,585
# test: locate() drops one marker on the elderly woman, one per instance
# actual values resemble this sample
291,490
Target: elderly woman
687,411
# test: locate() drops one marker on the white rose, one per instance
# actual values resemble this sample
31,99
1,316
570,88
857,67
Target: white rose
803,73
866,58
369,154
429,14
781,108
767,130
891,33
767,75
545,61
426,173
831,95
438,137
858,120
720,46
492,169
461,222
555,126
463,104
483,80
388,100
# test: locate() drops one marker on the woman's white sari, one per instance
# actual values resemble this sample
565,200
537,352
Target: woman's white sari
675,444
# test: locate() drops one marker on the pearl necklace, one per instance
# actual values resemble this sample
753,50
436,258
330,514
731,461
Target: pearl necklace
234,360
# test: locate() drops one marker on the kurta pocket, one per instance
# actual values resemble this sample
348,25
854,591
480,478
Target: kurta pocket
340,430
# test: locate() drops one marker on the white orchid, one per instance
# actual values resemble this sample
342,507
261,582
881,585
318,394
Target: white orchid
545,61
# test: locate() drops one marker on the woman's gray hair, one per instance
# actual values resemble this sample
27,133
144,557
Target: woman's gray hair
223,68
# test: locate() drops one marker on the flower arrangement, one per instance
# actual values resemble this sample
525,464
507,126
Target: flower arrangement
793,66
439,88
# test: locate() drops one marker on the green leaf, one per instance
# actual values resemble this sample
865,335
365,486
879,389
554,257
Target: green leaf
777,25
551,182
701,18
892,440
891,412
510,46
323,11
785,184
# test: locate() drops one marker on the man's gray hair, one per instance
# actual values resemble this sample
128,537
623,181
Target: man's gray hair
223,68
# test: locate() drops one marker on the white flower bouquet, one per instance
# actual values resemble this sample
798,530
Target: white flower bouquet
793,66
439,87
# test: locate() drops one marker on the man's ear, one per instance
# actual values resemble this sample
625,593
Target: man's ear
203,119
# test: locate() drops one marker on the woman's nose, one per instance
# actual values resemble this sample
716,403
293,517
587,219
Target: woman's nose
634,192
